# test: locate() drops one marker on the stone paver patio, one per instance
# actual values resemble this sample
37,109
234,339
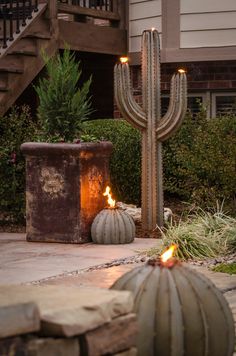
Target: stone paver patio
82,265
25,262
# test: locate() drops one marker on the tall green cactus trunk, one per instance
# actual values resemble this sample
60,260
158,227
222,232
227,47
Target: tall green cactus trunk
155,129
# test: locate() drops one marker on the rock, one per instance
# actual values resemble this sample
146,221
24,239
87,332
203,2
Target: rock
53,347
69,311
167,214
120,334
132,210
135,212
17,319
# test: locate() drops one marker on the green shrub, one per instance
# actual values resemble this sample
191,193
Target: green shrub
200,161
15,128
125,160
63,106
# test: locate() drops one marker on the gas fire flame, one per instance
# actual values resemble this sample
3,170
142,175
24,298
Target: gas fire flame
168,253
110,201
124,59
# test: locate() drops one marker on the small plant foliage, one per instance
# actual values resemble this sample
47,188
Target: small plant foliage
63,105
229,268
15,128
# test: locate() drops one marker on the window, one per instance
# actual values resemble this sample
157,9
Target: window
216,104
193,102
223,103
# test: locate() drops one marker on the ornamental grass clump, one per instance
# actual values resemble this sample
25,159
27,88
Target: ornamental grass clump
203,234
63,104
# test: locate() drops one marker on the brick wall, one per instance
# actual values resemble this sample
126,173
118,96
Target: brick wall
202,76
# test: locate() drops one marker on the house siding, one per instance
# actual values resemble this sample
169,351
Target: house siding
207,23
202,23
143,15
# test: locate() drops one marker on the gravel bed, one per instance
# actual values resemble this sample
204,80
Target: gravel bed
142,258
209,263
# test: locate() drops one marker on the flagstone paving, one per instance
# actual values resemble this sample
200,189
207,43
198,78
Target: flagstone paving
85,265
25,262
105,277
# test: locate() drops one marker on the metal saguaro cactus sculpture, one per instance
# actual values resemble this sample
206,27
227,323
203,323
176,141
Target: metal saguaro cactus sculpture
155,129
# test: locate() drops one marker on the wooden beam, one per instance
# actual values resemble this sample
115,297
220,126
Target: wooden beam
91,38
122,7
52,9
78,10
184,55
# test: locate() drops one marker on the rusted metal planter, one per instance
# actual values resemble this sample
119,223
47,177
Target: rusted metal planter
64,185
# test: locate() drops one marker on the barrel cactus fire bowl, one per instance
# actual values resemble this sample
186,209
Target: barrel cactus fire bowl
180,312
113,226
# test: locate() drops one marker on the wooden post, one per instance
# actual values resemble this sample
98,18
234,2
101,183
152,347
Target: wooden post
121,9
52,9
115,6
52,15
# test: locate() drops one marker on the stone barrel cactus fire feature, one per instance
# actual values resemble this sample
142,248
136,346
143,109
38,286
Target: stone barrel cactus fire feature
112,225
155,129
180,311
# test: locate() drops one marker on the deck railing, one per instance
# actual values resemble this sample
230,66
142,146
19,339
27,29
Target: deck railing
16,14
108,10
13,16
104,5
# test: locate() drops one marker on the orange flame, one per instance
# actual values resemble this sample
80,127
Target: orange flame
168,253
181,70
124,59
110,201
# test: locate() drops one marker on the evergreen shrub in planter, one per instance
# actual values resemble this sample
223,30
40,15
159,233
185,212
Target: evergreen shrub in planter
65,180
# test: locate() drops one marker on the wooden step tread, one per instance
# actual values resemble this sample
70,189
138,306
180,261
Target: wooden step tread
18,70
3,89
26,46
43,36
24,52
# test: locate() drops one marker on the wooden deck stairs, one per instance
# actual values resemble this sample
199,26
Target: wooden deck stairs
21,47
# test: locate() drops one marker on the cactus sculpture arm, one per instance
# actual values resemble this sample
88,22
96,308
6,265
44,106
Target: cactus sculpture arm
155,129
177,108
131,111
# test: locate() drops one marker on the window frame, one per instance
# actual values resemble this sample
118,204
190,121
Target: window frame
213,100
